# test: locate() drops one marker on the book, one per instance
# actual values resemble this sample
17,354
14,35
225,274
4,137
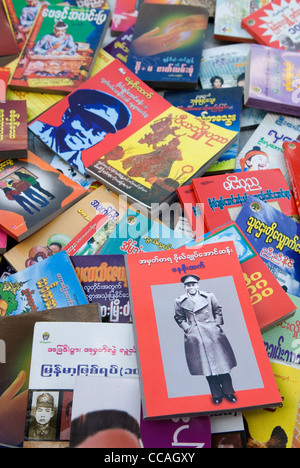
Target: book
271,304
136,233
3,241
222,107
146,128
63,351
272,81
13,124
274,236
106,413
228,18
119,47
192,209
263,150
53,237
227,431
17,334
32,194
281,341
4,77
166,47
226,62
275,24
50,284
274,427
104,281
163,310
291,153
61,49
8,45
223,196
85,181
5,268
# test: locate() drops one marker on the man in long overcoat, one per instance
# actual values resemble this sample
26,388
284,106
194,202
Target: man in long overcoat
207,349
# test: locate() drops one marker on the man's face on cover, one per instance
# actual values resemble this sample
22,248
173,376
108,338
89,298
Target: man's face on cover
43,414
81,134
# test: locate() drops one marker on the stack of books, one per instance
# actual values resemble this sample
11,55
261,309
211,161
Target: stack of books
149,226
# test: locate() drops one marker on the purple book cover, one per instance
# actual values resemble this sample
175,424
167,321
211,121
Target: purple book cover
119,48
104,281
272,80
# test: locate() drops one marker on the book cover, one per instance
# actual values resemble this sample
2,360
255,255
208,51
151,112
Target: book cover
13,130
136,233
221,337
263,149
222,107
291,153
166,47
53,237
104,281
224,195
119,47
274,427
8,43
4,77
274,236
5,268
282,341
17,334
50,284
276,24
223,66
32,194
63,351
61,49
142,147
272,80
3,241
192,209
270,302
228,18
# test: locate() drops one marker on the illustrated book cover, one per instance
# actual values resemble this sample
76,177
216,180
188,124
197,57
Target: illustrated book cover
61,49
166,47
17,333
8,43
274,428
228,19
224,195
50,284
281,342
291,153
104,281
60,353
276,24
4,77
142,147
271,304
272,80
220,319
119,47
32,194
222,107
223,66
53,237
275,237
13,133
263,149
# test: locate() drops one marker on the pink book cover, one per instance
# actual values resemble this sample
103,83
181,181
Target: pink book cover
3,241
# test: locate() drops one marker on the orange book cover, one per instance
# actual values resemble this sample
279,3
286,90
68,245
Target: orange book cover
200,349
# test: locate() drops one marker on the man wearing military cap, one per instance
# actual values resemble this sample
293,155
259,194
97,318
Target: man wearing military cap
207,349
44,412
91,115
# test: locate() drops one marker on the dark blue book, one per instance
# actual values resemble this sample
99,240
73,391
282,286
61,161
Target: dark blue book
166,49
222,107
276,238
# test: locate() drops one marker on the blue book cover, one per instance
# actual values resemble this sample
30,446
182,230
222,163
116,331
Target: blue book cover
222,107
137,233
275,237
47,285
166,47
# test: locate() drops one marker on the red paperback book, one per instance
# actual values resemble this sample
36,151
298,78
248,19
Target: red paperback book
291,152
184,343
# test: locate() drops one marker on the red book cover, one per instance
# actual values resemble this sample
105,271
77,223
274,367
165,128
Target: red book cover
13,130
276,25
4,77
8,44
224,195
270,302
191,209
291,153
195,326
